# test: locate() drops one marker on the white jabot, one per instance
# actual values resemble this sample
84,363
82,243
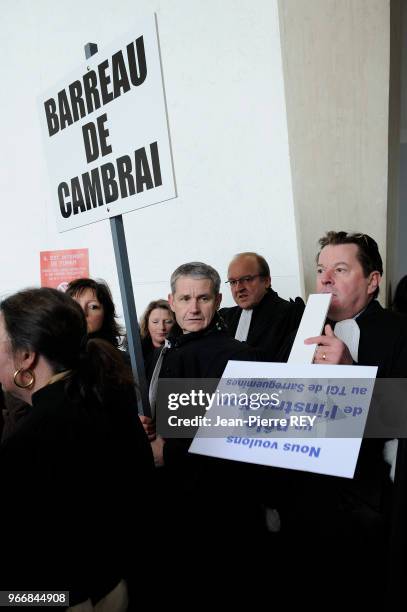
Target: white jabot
152,392
244,325
390,455
348,331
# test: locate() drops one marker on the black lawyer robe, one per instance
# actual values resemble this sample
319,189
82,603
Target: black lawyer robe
346,522
273,319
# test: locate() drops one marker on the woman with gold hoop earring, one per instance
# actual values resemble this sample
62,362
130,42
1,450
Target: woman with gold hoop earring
70,471
13,408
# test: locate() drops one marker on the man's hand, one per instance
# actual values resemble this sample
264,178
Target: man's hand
149,427
158,451
330,349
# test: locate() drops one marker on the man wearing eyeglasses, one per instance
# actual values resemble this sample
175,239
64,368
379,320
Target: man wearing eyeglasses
261,318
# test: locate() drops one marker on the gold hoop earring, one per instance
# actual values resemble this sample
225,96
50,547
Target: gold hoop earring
26,385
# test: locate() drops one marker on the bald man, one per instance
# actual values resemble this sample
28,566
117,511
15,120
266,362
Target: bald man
261,318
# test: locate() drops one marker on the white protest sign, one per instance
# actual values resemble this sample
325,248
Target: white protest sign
318,404
312,323
106,133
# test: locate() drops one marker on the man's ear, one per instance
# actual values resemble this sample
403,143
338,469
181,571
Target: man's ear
171,301
374,282
268,282
218,300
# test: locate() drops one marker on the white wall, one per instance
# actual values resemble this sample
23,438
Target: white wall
336,57
401,251
224,87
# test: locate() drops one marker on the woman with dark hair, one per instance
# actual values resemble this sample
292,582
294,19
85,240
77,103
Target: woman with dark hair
96,301
72,471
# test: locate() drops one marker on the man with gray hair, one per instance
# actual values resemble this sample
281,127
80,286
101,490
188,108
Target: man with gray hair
198,493
194,296
199,346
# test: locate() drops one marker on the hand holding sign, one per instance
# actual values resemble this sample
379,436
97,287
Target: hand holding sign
330,349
